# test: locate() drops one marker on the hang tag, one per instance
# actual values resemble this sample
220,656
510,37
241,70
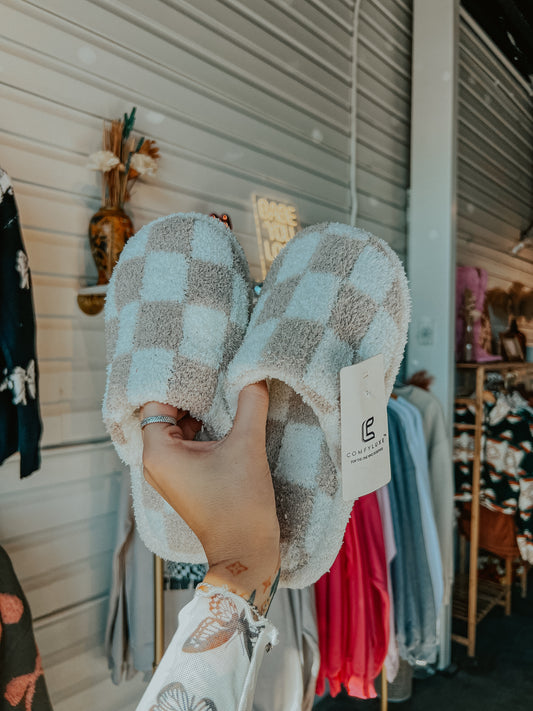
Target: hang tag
364,429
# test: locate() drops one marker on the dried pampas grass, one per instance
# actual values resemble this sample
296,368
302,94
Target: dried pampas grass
124,159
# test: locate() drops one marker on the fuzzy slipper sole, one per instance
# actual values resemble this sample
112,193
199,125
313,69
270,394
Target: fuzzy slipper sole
176,312
334,296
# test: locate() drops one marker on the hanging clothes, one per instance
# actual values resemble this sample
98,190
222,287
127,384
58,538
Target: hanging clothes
129,639
506,464
412,422
497,531
20,421
439,455
287,680
414,599
353,607
22,683
392,660
181,576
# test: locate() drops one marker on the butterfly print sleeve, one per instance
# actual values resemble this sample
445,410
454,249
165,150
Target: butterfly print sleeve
213,660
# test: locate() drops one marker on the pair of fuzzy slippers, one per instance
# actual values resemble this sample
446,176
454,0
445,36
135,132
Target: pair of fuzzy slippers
179,331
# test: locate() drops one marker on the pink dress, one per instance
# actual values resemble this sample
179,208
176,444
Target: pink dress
352,603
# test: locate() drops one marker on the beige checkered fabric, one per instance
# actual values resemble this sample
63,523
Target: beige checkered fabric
176,311
334,296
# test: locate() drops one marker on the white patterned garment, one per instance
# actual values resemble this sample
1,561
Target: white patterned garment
21,382
23,269
5,185
213,660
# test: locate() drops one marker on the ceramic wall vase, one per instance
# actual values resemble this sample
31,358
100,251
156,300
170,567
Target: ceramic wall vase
109,230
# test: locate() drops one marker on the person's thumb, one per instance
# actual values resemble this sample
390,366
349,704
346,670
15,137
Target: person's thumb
251,417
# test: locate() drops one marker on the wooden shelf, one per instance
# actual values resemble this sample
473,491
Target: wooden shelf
91,299
465,400
475,598
497,365
489,595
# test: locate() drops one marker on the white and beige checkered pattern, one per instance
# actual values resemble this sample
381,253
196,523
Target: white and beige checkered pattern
334,296
176,311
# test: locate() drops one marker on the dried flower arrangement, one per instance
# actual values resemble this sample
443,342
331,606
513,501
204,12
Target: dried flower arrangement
468,309
124,159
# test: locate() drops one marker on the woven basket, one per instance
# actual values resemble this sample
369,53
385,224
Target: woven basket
402,687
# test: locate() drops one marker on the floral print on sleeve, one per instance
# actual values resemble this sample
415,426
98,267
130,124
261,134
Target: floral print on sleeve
213,660
174,698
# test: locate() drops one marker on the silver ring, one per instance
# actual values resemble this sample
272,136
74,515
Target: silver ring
158,418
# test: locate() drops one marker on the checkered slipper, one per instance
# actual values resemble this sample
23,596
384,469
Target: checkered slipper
176,311
334,296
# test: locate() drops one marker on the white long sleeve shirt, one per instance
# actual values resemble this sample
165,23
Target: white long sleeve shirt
212,661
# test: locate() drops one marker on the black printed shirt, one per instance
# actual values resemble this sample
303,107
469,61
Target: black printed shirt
506,468
20,422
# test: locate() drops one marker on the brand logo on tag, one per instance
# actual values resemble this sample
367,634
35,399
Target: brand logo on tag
366,433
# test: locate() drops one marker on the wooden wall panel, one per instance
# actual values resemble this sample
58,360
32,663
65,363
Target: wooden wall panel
242,97
495,163
383,119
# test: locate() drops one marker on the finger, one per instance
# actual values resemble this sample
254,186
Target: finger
153,408
252,410
167,449
149,409
190,427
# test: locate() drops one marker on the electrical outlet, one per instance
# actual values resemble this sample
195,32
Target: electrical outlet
425,332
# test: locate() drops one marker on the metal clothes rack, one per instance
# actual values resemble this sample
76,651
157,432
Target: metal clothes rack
473,598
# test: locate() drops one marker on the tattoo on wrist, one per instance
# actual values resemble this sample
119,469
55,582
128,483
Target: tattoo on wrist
273,587
269,586
236,568
271,594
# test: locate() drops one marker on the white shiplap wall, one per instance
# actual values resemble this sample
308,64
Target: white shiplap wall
242,97
495,162
383,82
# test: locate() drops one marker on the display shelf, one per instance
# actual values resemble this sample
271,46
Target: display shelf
91,299
497,365
465,401
474,598
489,595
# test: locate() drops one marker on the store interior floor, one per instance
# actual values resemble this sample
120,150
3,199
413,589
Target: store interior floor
502,677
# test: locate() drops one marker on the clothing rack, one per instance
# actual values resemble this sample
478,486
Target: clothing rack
159,610
473,598
384,691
